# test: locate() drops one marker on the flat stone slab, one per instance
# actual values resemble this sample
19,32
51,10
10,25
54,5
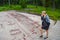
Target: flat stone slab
23,26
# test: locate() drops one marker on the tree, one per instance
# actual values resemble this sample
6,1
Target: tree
9,2
44,3
57,4
23,3
53,2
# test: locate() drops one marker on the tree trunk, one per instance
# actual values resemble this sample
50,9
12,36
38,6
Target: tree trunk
36,4
43,2
9,2
53,2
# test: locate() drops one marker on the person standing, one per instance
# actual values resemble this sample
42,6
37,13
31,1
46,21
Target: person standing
45,24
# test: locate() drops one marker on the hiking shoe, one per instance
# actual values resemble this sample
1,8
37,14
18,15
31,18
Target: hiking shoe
41,36
45,37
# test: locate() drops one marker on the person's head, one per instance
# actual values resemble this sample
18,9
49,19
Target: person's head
43,12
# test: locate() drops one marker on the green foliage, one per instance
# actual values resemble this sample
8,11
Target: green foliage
53,14
32,9
23,3
12,7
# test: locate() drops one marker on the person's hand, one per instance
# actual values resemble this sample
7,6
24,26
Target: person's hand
42,14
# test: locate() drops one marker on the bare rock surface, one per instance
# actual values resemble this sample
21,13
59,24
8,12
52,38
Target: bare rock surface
23,26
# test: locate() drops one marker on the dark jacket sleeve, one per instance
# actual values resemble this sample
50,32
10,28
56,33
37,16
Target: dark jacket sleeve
42,18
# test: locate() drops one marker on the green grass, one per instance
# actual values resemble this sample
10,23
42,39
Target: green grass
12,7
32,9
53,14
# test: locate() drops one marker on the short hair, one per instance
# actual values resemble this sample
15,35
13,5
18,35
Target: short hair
44,12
